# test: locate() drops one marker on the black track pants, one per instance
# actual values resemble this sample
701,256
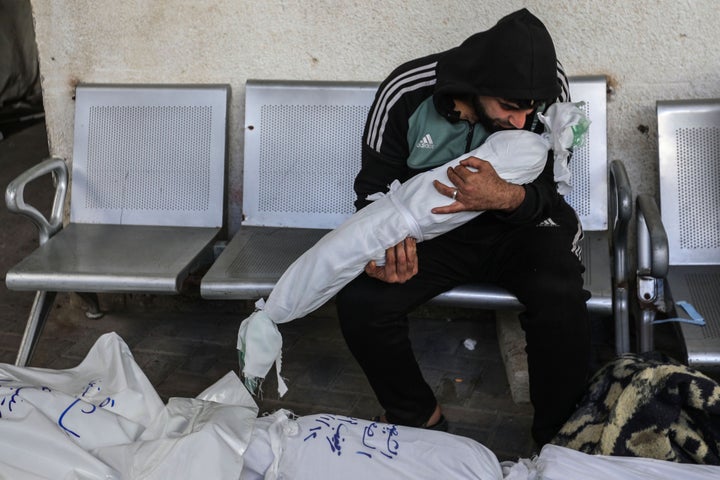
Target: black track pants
537,263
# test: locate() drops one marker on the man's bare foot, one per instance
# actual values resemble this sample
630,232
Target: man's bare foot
435,422
434,418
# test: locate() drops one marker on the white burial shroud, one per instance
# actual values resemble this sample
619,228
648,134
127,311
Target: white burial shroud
518,156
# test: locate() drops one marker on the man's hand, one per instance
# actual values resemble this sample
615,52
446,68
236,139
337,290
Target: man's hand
477,187
401,263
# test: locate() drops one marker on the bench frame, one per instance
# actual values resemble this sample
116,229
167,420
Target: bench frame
678,254
148,185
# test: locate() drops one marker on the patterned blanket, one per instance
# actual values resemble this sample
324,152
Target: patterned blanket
648,406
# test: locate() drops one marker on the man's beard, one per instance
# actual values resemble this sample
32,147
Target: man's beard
484,119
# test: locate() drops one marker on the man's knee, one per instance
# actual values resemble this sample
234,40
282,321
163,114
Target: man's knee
360,306
554,285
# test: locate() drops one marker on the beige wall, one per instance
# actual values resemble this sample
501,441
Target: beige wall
649,49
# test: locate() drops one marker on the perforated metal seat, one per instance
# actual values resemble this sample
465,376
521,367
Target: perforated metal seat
302,152
679,248
147,196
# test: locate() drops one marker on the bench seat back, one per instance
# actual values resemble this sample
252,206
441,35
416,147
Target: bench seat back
149,155
303,145
689,167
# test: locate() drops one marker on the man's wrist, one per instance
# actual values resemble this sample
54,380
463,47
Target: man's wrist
515,195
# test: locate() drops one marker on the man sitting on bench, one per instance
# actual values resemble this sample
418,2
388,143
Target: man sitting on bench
431,110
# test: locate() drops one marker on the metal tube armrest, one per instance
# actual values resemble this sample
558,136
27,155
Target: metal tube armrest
621,210
653,259
652,247
15,198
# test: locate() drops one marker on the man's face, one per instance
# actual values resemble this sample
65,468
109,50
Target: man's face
495,113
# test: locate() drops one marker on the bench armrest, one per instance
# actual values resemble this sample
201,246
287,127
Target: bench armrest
620,215
652,247
15,198
652,267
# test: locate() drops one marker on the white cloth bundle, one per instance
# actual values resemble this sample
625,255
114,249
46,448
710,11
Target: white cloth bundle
103,420
518,156
560,463
328,446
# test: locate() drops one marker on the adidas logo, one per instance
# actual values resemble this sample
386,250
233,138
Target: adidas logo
548,222
426,142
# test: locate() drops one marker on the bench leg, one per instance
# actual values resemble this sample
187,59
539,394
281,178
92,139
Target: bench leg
647,335
93,304
38,315
621,310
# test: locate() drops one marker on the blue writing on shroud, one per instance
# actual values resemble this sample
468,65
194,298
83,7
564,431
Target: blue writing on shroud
385,435
14,399
376,438
86,407
8,402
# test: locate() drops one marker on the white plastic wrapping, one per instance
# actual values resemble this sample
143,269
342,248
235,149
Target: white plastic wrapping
326,446
103,420
560,463
518,156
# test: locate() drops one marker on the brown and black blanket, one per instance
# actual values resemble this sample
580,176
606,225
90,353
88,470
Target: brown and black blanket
648,406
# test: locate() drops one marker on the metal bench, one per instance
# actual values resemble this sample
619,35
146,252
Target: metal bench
148,176
678,272
302,152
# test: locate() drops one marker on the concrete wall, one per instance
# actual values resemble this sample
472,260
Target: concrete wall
649,49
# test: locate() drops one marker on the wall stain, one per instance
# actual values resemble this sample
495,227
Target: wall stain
612,86
73,81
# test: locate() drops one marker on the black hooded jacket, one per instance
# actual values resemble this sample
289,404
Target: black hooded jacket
515,60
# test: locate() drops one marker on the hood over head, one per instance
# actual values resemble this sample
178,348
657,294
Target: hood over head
515,59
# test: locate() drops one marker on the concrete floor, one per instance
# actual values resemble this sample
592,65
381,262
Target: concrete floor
185,344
